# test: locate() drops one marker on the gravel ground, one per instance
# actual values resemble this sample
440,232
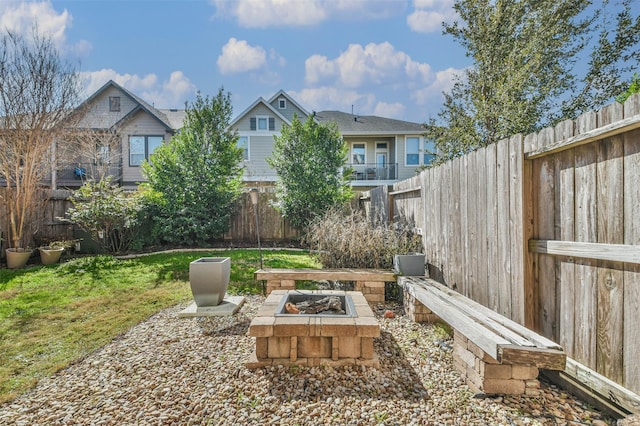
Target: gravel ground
190,371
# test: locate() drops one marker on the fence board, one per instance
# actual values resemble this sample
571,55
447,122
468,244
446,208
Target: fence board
521,222
491,210
503,229
631,331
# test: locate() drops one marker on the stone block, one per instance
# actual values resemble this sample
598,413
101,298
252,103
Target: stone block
366,348
374,284
495,371
254,362
524,372
293,351
367,327
267,309
349,347
337,327
279,347
335,348
261,326
291,326
464,355
500,386
262,347
373,363
375,298
314,347
288,284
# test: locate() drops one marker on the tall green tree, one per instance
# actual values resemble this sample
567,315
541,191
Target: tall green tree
197,174
309,159
523,75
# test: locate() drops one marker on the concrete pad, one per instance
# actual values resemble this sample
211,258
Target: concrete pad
228,307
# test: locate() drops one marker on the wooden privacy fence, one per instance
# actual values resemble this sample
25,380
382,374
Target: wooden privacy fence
545,229
242,225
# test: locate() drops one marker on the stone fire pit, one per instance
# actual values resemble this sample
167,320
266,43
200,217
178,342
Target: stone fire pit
314,339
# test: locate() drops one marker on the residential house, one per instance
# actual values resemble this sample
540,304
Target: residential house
381,150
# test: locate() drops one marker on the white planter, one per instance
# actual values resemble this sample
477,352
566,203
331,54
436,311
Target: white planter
209,279
409,265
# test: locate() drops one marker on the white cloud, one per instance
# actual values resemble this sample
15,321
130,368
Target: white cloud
394,110
238,56
23,17
171,93
333,98
298,13
443,82
371,64
429,15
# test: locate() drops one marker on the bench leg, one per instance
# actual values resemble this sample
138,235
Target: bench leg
486,375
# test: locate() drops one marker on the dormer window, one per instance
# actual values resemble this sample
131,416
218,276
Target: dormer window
114,103
282,103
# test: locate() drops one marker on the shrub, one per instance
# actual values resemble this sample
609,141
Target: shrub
347,239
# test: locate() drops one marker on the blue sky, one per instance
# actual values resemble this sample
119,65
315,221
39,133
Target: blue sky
380,57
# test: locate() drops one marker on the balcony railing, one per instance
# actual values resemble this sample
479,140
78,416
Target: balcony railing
374,171
76,175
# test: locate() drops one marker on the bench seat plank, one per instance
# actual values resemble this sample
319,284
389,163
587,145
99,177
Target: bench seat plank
488,341
472,306
499,337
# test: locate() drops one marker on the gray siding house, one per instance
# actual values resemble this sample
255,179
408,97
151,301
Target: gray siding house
381,150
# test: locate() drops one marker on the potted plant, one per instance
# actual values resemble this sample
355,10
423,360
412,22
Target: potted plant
35,113
51,253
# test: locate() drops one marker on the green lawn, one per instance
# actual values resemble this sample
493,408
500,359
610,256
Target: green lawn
51,316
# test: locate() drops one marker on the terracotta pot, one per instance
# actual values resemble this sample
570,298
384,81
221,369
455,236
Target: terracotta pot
50,255
17,258
209,279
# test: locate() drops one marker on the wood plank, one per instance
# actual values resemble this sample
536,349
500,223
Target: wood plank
585,231
622,396
406,191
548,359
597,251
465,248
491,223
613,129
610,229
544,228
324,274
475,307
473,331
481,222
503,234
631,272
566,279
456,230
521,223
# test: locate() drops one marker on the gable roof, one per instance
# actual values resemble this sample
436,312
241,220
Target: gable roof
257,102
142,105
350,124
282,93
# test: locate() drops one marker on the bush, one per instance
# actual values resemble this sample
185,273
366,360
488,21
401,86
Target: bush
347,239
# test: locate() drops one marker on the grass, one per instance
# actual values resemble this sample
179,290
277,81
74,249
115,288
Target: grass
51,316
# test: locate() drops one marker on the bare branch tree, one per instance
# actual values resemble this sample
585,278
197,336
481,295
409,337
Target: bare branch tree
37,91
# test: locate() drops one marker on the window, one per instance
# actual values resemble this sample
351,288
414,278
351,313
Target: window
282,103
114,103
141,148
358,153
103,154
243,143
262,123
429,152
413,151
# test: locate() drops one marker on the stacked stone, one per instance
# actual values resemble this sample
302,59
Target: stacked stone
485,374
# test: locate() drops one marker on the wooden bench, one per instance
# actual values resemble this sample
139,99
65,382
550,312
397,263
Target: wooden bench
369,282
495,354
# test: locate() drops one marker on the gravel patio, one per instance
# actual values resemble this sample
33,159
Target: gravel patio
191,371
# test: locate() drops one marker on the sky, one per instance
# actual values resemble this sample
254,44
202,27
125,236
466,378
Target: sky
371,57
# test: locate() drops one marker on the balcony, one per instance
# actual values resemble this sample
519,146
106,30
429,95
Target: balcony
75,176
374,171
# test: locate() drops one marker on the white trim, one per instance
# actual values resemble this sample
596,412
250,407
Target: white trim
365,152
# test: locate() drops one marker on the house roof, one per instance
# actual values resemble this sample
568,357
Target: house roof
267,104
350,124
282,93
142,105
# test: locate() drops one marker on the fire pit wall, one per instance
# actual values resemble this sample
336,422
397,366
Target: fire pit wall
314,339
